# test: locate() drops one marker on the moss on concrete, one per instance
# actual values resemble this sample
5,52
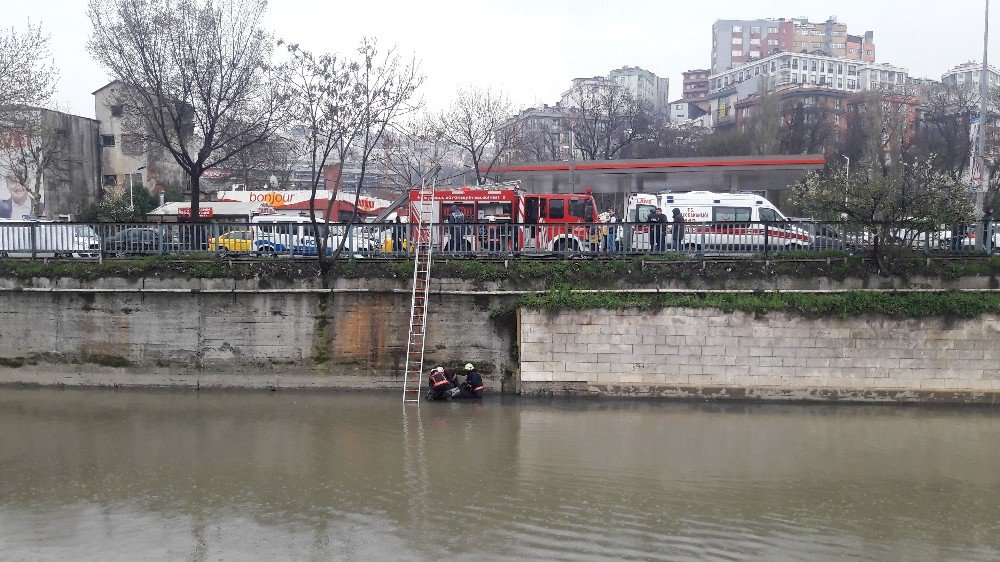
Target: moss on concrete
843,305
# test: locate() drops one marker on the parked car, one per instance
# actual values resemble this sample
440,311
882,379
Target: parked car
825,236
140,241
41,238
234,242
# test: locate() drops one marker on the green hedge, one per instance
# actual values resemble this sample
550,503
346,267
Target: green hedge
579,273
843,305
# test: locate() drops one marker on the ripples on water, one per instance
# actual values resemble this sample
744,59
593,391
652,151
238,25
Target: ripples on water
127,475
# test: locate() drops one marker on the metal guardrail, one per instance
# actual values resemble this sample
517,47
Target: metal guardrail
37,239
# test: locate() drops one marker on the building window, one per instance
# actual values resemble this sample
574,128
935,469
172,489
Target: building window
737,40
737,52
772,42
737,29
755,42
771,30
110,179
107,140
117,111
754,30
755,54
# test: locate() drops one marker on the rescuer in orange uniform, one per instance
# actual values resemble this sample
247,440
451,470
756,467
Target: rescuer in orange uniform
472,387
437,384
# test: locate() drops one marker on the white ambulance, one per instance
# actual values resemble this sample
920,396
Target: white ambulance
728,222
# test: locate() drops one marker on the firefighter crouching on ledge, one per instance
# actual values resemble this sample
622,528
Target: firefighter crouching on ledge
437,384
472,387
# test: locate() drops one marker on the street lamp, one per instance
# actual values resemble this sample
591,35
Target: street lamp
131,187
847,185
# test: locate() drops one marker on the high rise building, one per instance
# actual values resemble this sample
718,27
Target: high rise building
696,84
644,86
735,42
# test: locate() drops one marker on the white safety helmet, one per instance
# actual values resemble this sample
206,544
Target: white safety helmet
440,369
469,367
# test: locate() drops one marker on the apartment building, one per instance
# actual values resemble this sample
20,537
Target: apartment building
801,70
696,84
126,158
644,85
736,42
969,75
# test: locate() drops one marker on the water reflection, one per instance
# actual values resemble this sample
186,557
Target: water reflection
104,474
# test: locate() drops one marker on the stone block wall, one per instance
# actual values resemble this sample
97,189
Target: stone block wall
709,353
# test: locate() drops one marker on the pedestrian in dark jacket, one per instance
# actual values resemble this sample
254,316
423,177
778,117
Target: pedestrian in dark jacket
678,229
456,239
657,232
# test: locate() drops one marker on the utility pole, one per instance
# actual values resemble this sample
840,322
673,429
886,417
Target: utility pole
984,91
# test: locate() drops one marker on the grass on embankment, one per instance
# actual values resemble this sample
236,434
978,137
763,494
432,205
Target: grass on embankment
578,273
843,305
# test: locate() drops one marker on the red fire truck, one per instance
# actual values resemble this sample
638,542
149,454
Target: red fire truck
506,218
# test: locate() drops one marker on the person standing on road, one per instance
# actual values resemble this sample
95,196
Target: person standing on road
678,230
612,233
657,234
456,233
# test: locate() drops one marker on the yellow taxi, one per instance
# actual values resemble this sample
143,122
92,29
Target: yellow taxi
233,241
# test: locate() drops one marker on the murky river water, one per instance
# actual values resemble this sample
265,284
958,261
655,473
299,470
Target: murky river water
134,475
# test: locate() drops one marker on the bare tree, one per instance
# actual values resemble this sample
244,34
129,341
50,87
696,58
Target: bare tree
947,115
474,125
806,129
197,77
29,146
765,126
27,74
267,164
540,144
409,153
608,119
346,106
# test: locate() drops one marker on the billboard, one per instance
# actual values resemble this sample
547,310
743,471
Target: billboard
15,197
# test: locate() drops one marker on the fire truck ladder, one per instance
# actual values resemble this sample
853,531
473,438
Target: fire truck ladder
423,254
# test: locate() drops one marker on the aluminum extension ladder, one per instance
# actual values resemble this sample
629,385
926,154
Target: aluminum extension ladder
423,254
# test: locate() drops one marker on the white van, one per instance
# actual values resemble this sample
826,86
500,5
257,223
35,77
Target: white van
290,234
718,221
41,238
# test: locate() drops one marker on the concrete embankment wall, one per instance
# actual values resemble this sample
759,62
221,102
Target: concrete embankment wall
285,333
125,334
707,353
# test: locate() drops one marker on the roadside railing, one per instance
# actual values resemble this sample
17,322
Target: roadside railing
35,239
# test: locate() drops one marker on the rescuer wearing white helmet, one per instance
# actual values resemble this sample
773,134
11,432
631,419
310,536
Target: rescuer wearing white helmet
473,386
437,384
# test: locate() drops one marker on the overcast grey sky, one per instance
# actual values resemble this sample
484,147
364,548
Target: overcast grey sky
532,48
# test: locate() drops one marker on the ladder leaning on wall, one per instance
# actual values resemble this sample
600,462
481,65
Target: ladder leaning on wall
423,253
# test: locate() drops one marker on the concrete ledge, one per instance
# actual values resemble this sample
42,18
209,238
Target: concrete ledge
766,393
153,377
